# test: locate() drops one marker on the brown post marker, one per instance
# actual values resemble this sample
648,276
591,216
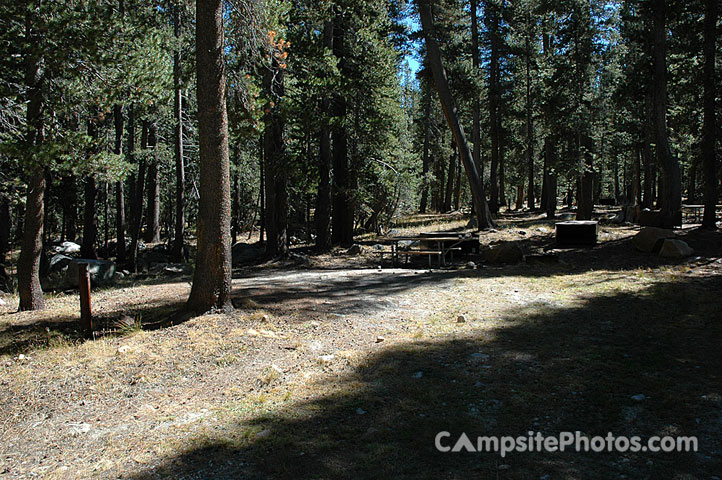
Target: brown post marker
86,317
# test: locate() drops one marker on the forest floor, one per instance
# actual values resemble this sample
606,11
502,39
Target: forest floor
335,368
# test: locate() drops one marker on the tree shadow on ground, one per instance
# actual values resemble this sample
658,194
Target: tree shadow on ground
544,369
25,337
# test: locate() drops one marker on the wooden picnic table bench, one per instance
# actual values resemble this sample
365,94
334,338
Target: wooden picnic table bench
440,251
696,211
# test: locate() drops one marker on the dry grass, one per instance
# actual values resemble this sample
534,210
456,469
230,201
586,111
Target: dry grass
295,384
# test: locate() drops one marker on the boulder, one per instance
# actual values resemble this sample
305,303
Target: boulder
67,248
674,248
650,239
102,272
59,263
355,249
504,253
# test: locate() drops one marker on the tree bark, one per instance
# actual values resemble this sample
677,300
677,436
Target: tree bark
476,106
177,249
529,125
343,214
119,193
90,194
275,158
152,216
5,219
425,154
137,210
452,117
322,216
550,179
671,185
212,276
585,192
709,140
493,18
449,191
70,209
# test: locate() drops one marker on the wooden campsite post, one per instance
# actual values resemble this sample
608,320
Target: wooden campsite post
86,317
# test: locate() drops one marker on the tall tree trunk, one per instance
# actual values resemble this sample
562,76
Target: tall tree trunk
152,216
70,208
502,158
322,216
671,185
529,125
262,190
585,191
425,154
275,158
31,294
5,219
476,105
550,178
636,179
119,193
457,185
180,175
494,95
343,214
90,193
449,191
212,275
452,117
138,190
709,160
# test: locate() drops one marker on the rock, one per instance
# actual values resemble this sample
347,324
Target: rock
245,252
59,263
79,428
326,359
355,249
639,397
124,349
379,339
673,248
504,253
263,433
461,319
102,272
2,302
522,232
471,265
650,239
67,248
543,230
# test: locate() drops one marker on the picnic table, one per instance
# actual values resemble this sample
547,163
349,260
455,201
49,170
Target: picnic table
443,244
696,211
